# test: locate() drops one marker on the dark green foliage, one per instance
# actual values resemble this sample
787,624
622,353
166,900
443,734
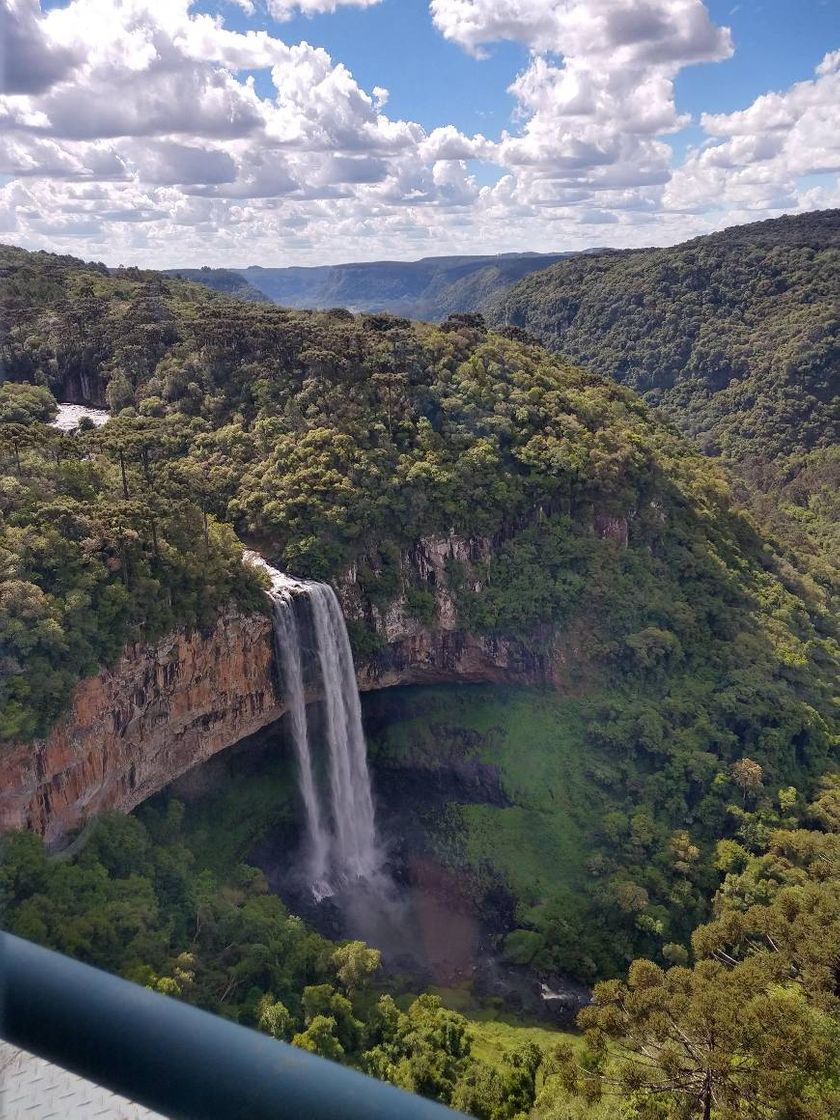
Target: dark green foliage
751,1028
734,334
613,802
135,900
503,1092
425,1049
699,661
337,442
735,337
25,404
99,546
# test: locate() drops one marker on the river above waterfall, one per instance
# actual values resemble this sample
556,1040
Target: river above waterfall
68,416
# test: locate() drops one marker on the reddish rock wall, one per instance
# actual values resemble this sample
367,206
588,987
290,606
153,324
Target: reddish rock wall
131,730
164,708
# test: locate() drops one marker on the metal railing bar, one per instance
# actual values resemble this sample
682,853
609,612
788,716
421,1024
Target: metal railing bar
173,1058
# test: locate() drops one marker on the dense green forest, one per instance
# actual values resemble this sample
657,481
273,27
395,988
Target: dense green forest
701,661
96,553
333,440
742,1022
735,337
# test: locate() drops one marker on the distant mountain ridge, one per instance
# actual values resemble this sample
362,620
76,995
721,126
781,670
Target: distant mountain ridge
431,288
225,280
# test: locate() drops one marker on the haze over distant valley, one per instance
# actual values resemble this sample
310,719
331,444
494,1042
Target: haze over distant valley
431,288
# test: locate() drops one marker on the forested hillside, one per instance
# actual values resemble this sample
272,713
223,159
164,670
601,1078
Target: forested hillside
735,335
742,1023
697,665
224,280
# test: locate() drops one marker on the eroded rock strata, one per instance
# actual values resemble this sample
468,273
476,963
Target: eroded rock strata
165,707
131,729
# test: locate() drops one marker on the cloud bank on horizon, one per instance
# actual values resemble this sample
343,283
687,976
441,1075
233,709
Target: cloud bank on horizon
156,132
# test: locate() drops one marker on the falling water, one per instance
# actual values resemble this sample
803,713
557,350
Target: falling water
287,652
352,804
341,835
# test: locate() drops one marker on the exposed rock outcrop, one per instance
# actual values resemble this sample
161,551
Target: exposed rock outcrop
436,650
168,706
132,729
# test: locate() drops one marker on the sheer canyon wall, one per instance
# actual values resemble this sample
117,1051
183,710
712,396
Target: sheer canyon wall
165,707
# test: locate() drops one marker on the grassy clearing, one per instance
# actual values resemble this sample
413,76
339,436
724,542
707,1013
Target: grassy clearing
494,1031
493,1038
536,741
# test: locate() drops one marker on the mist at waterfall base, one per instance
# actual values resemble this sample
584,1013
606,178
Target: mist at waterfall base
342,880
414,910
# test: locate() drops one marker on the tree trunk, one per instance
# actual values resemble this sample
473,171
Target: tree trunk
122,471
707,1096
124,567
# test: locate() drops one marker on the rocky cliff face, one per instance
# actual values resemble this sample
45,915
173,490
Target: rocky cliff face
132,729
166,707
437,649
81,386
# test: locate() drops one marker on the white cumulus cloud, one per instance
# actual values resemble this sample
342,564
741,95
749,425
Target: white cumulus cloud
153,131
599,86
756,157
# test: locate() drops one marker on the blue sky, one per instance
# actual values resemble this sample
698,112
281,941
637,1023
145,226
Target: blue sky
144,130
435,82
395,45
777,43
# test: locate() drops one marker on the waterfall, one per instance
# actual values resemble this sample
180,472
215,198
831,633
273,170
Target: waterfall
287,652
352,803
340,829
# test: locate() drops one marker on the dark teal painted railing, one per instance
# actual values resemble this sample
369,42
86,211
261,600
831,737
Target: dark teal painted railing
173,1058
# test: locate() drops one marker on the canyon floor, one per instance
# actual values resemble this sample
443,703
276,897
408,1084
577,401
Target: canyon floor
465,827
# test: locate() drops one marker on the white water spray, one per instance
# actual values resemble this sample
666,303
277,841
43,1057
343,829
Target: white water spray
352,803
68,416
341,834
